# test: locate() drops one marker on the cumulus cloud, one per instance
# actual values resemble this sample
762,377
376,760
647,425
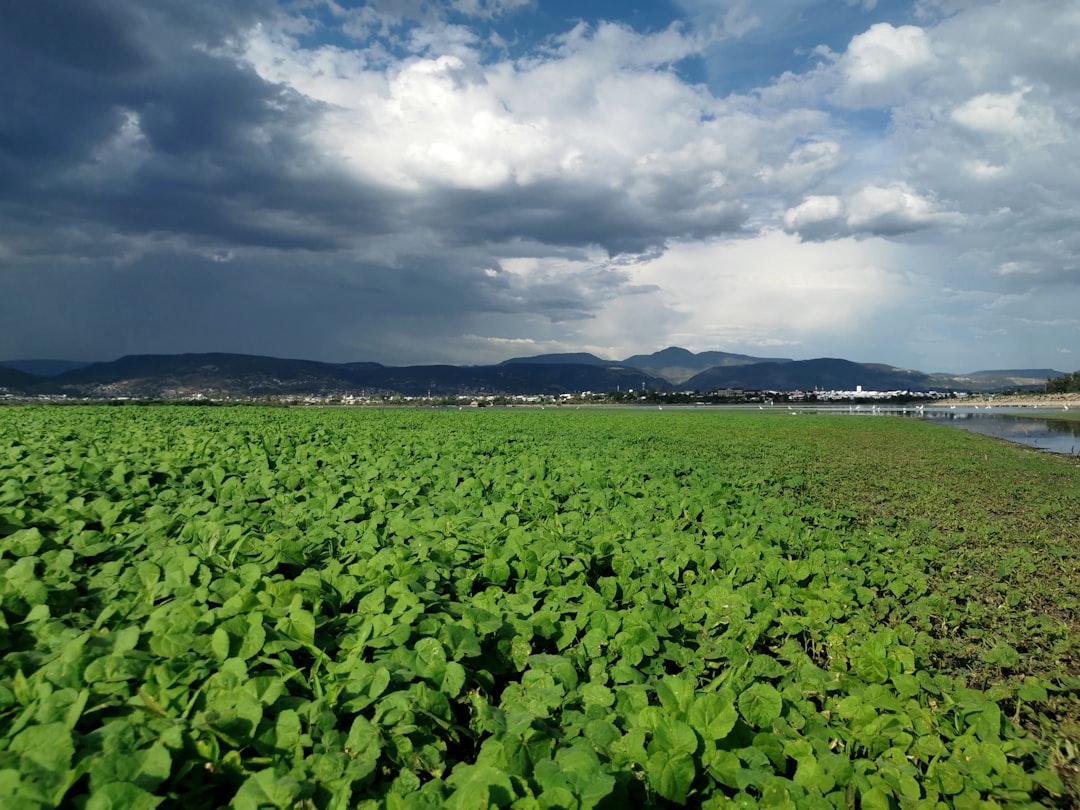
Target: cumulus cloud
556,149
872,209
894,209
770,290
880,66
818,216
1009,116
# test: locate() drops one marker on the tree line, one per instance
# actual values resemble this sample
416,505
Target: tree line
1065,384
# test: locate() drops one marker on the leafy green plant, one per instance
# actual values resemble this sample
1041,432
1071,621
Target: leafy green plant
293,609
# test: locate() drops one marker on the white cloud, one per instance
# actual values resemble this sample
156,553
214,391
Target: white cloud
881,64
871,209
816,215
1008,115
807,165
983,170
894,209
487,9
445,120
581,115
751,293
441,187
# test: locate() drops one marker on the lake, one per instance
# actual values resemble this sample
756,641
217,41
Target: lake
1019,425
1042,432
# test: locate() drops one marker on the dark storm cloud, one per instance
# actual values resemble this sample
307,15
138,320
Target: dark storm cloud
556,212
256,175
328,306
220,155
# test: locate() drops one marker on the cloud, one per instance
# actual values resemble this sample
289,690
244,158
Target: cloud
1009,116
552,149
487,9
819,216
381,181
872,209
881,65
767,291
894,209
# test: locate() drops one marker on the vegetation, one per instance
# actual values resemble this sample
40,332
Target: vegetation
578,608
1065,384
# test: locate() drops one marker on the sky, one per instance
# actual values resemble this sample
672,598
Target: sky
409,181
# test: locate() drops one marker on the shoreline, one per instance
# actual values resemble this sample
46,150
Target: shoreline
1060,402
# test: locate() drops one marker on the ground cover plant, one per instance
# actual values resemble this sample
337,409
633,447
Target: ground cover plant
570,609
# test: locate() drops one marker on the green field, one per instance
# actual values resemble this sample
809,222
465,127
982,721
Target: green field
559,608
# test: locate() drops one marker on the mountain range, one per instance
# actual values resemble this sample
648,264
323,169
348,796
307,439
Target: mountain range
672,369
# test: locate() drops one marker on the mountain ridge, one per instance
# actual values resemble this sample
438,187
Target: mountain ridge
223,374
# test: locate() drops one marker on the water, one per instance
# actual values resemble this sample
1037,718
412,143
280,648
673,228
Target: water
1044,433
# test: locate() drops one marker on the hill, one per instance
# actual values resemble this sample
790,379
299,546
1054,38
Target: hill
221,375
805,375
574,358
237,375
12,379
216,374
44,368
678,365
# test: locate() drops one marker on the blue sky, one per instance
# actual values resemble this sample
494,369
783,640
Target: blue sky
409,181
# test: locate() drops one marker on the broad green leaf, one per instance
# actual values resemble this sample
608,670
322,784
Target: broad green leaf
453,679
671,774
596,694
1032,690
219,644
673,736
760,705
584,774
713,714
430,658
478,787
870,663
122,796
49,746
287,731
364,739
875,799
155,767
676,694
266,788
520,650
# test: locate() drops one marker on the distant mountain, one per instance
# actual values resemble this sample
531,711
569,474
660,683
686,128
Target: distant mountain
43,368
578,358
12,379
1006,379
219,375
237,375
512,378
805,375
679,365
178,375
